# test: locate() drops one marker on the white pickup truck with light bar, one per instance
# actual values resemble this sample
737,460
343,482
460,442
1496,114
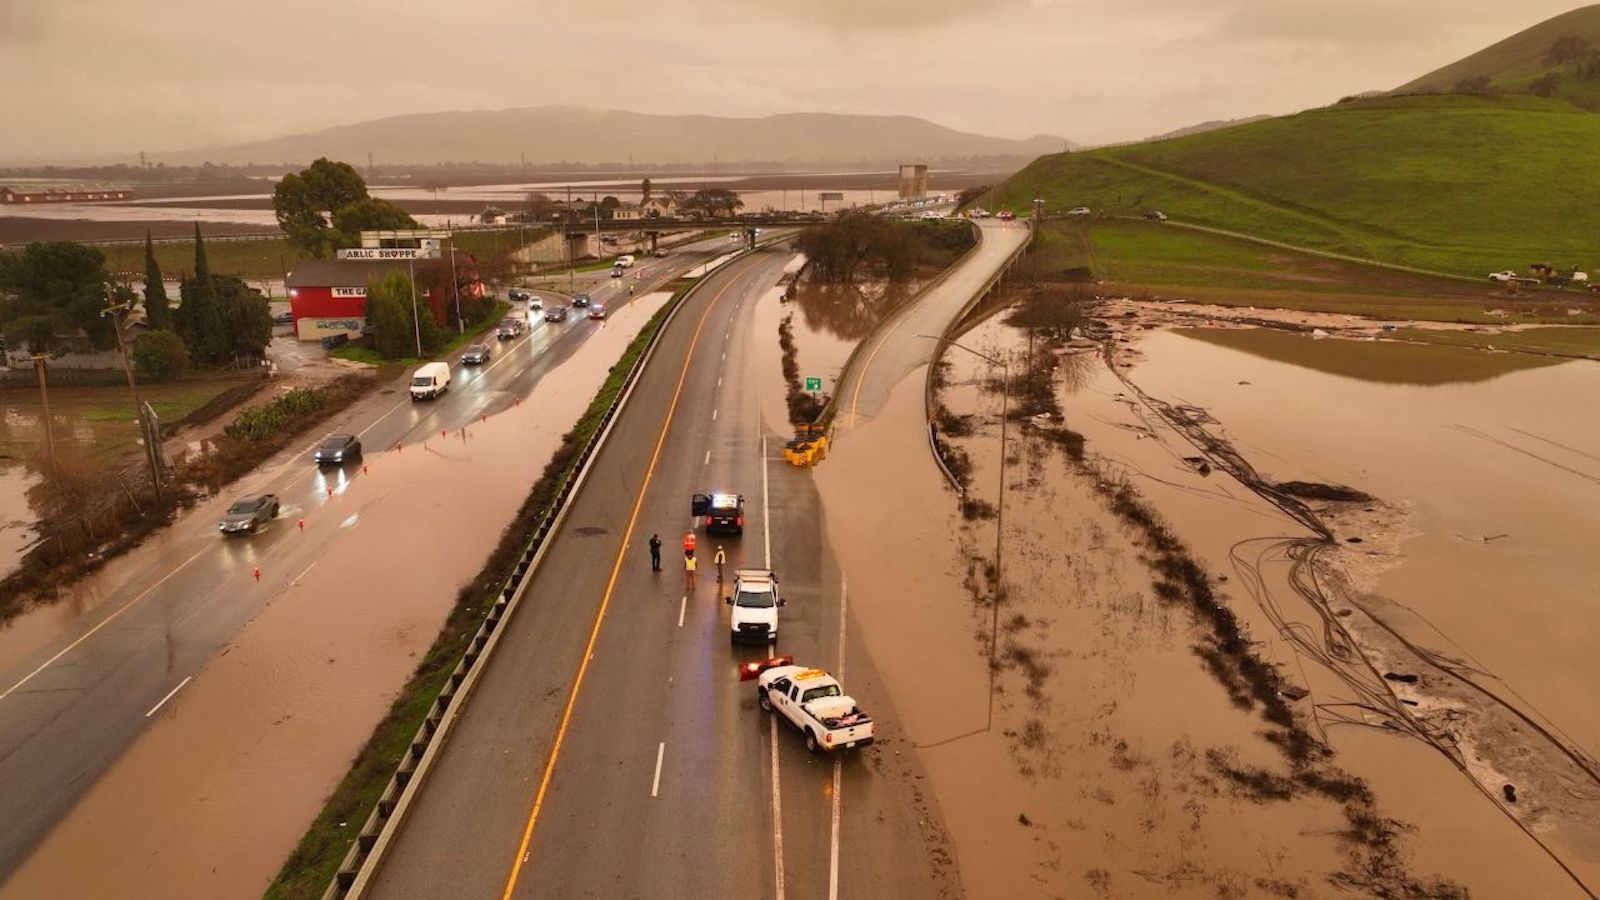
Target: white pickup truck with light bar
812,701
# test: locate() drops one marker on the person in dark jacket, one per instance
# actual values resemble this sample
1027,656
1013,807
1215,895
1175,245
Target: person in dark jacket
655,552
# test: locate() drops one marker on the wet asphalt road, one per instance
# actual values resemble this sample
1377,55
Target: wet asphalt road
668,782
70,708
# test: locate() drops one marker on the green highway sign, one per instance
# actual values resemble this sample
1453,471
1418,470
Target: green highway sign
813,384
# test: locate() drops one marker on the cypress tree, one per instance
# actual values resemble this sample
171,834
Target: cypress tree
156,307
212,339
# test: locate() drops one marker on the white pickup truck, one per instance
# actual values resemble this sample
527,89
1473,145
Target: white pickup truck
755,603
813,702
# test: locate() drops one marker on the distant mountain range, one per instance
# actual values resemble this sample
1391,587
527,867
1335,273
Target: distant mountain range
556,134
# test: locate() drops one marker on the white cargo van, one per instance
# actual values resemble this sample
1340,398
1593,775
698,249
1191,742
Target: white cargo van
430,381
625,261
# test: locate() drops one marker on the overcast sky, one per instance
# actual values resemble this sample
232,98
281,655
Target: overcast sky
107,78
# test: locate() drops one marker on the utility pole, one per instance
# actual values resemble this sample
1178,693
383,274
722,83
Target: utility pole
597,251
566,239
152,453
1000,509
455,282
411,266
41,369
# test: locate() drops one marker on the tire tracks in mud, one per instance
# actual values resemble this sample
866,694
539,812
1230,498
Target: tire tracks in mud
1453,712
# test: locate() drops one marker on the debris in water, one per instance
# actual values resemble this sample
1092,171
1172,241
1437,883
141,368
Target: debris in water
1199,463
1024,821
1352,540
1483,539
1292,692
1311,490
1403,679
1510,791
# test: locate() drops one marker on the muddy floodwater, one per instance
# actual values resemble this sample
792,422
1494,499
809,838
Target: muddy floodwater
1434,635
1498,466
16,519
212,797
1466,583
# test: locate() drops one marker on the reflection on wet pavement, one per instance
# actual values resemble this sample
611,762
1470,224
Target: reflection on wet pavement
210,800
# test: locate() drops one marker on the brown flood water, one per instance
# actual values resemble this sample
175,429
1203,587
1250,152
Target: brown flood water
16,518
1484,468
211,799
1093,779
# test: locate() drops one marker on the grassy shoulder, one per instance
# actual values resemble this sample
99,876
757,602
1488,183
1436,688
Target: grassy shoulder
1158,260
355,353
311,867
1465,185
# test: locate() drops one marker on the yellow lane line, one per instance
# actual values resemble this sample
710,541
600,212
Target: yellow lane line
605,600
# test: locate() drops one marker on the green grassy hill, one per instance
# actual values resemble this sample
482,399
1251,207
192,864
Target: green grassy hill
1466,185
1516,61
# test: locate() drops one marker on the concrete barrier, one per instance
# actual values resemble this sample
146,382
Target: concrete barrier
361,863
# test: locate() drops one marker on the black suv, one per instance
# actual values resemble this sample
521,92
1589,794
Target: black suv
722,512
580,300
338,449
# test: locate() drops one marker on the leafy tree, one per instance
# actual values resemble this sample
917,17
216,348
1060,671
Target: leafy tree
388,305
1566,49
397,323
199,320
644,190
61,282
1480,85
1054,312
157,310
542,207
713,201
370,214
841,250
324,206
1545,85
246,316
160,355
38,332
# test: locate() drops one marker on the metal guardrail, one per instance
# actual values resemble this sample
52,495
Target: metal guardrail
361,862
825,417
938,354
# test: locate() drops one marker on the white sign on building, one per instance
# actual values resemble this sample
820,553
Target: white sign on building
388,253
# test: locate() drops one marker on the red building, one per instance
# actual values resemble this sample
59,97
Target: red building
329,296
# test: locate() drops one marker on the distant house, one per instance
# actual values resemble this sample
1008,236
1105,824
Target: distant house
657,208
76,194
625,212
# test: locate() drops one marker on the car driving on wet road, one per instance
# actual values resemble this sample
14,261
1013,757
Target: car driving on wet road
248,514
476,355
337,449
510,328
555,314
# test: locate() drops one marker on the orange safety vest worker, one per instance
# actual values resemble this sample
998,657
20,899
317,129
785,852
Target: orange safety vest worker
688,543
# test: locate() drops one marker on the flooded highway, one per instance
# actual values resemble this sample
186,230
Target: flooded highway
210,800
